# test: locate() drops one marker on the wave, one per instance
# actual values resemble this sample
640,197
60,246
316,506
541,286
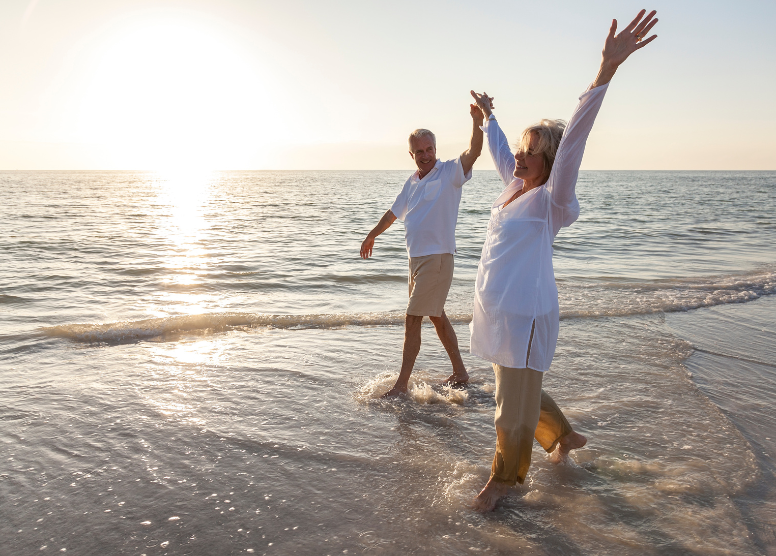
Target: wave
601,299
129,331
624,298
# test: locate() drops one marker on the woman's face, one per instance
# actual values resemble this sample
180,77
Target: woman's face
529,166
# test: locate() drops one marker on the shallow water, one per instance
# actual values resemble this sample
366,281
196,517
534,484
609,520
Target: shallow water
193,365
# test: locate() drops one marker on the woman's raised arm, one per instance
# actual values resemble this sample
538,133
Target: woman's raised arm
565,171
617,48
497,141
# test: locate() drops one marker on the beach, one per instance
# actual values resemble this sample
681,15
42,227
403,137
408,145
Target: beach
193,364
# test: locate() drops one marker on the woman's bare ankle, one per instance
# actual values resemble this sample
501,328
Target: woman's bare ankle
572,441
486,500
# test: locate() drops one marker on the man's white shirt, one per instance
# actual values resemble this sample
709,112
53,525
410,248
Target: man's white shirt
429,208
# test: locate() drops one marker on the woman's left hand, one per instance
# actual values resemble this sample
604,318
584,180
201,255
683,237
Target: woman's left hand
618,47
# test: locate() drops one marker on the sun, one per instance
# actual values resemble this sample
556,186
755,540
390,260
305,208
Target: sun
171,94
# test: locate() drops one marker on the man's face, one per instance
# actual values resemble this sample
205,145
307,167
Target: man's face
423,153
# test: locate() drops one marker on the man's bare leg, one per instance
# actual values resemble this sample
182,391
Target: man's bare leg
446,334
488,497
410,353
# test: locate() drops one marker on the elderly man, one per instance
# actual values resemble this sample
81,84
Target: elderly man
428,205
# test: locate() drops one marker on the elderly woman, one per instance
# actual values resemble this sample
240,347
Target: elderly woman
516,316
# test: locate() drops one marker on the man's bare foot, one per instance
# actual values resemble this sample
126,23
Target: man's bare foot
395,391
488,496
457,379
571,441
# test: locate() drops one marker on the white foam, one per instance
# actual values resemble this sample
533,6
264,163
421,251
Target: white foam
662,296
464,483
123,331
577,301
420,389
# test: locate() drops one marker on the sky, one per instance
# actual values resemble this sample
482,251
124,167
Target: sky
339,84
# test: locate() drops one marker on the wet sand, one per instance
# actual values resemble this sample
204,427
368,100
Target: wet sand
734,364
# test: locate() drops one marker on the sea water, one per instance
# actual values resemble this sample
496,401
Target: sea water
193,364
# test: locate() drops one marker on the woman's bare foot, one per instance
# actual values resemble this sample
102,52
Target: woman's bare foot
571,441
457,379
487,498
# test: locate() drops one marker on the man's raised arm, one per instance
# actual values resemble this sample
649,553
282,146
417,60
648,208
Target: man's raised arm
469,156
385,222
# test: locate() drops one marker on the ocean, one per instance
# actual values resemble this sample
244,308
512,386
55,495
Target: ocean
193,364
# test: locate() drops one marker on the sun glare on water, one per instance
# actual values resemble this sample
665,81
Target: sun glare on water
173,95
186,193
184,199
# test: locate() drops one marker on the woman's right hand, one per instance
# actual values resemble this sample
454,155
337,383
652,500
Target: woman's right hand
484,103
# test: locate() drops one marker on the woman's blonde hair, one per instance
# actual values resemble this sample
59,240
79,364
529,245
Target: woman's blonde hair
548,133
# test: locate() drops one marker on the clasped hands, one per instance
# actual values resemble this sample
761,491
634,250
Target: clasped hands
482,108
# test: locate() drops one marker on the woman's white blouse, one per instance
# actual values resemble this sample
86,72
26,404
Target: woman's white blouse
515,296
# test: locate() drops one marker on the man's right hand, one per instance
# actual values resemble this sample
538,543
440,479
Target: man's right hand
367,246
369,243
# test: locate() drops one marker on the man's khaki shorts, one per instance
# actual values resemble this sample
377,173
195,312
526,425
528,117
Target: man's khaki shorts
430,278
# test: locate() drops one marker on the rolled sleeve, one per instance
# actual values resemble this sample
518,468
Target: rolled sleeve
400,205
458,177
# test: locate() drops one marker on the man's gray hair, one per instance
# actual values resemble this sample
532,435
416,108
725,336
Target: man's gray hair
418,133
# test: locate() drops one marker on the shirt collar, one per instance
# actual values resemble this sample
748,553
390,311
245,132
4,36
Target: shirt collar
416,175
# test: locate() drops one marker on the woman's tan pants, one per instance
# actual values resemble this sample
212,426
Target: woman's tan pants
523,412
